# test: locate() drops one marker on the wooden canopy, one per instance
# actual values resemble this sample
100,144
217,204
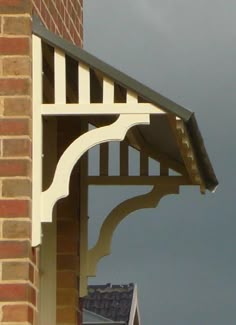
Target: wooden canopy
68,81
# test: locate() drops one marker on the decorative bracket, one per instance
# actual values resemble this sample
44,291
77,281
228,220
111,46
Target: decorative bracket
60,185
103,246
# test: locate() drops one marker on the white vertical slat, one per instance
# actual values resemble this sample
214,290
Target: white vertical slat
83,213
60,77
104,159
131,97
84,84
108,98
144,165
124,158
108,91
164,170
48,260
37,139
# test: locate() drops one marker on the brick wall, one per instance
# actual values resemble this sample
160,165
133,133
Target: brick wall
18,261
63,17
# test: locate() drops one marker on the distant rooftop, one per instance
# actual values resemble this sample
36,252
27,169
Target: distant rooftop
113,302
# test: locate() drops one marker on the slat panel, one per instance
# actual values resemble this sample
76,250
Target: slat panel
124,158
108,91
144,164
37,139
104,159
60,76
84,84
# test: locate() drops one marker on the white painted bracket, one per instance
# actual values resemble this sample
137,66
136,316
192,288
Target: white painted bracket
60,185
102,248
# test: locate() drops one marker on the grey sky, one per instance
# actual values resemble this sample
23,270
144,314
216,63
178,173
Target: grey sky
182,254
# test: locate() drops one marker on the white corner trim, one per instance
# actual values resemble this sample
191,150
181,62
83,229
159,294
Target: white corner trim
133,306
37,139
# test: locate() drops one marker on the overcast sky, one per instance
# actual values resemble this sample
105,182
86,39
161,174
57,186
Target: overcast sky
182,254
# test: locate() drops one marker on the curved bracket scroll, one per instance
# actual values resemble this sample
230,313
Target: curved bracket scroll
60,185
103,245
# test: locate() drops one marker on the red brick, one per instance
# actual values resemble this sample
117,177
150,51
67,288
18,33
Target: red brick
15,6
17,313
13,86
17,106
14,167
16,148
14,208
14,46
17,292
14,126
14,249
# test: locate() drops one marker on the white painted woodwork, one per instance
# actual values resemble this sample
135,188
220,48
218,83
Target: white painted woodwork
103,246
48,246
60,185
144,165
124,158
47,275
134,311
83,215
37,140
84,84
104,159
131,97
164,170
99,109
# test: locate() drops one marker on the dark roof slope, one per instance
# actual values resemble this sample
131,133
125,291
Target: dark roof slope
147,93
110,301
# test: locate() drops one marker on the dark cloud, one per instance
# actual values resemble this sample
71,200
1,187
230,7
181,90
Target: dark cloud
182,254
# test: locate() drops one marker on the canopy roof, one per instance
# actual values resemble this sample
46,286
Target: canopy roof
173,137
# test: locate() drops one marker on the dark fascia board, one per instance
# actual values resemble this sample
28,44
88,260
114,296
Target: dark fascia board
147,93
